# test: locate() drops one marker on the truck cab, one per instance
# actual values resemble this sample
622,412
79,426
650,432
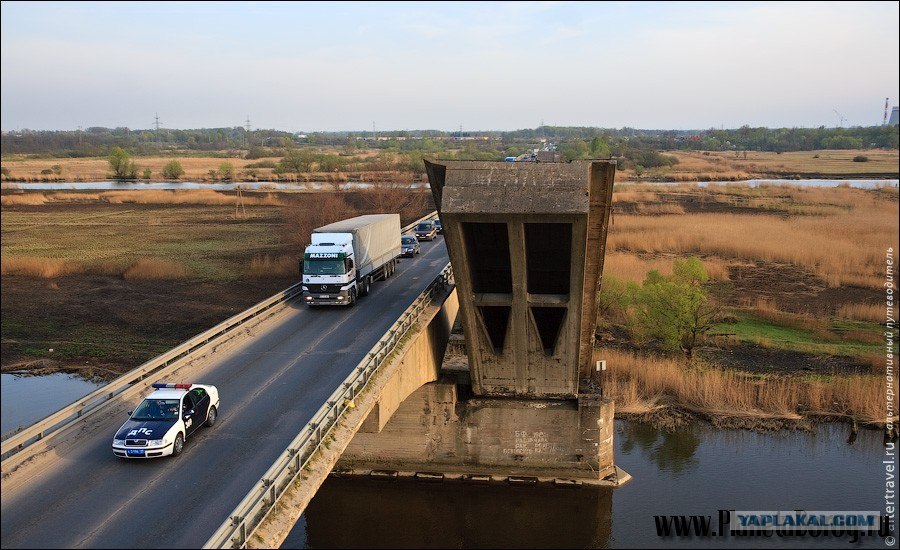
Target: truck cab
345,257
329,270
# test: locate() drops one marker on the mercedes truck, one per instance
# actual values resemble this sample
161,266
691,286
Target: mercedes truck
344,258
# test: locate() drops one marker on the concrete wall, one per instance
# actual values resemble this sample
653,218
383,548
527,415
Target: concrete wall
419,364
432,431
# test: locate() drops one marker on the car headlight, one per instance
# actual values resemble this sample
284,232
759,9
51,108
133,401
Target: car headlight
119,442
157,442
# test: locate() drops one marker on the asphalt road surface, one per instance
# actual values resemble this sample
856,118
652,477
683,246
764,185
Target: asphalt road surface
270,385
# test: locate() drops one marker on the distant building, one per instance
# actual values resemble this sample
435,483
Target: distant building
894,115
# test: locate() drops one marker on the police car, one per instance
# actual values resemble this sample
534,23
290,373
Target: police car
163,421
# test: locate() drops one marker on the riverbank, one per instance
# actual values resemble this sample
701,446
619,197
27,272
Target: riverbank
690,166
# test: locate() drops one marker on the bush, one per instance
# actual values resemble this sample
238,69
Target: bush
257,152
860,158
121,164
5,171
147,173
262,164
46,171
172,170
226,169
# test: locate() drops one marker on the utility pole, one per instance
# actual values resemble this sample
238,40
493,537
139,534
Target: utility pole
374,134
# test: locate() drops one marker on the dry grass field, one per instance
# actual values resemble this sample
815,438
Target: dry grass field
733,166
800,275
838,235
641,384
97,168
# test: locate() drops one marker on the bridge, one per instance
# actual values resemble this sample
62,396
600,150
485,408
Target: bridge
301,390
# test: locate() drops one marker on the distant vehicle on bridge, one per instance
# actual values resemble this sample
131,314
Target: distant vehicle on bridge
345,257
439,226
163,421
426,230
409,246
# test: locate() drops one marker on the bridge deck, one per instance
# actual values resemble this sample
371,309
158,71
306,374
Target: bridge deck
270,386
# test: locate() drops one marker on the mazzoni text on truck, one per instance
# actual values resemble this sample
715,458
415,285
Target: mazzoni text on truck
345,257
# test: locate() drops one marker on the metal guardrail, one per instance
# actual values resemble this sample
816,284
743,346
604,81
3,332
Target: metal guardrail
158,366
263,497
134,379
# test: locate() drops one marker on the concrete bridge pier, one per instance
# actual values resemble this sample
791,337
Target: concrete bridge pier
527,243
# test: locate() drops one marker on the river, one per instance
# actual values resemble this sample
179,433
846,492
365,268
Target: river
696,470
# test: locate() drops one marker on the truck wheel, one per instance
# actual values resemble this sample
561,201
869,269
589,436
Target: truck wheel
364,287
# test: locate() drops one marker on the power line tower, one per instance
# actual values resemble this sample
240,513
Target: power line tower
156,124
247,131
840,117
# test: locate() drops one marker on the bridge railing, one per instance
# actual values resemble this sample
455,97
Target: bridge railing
136,379
263,497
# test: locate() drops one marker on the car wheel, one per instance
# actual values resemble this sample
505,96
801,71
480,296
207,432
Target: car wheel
211,417
178,446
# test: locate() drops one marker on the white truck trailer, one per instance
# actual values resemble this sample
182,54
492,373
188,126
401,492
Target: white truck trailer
345,257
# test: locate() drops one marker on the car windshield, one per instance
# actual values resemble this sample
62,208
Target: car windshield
424,226
409,240
156,409
324,267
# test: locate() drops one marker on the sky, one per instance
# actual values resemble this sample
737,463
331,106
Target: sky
480,66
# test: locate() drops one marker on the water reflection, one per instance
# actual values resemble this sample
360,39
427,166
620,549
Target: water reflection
672,451
350,513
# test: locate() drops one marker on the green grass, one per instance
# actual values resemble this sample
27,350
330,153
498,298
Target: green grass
750,328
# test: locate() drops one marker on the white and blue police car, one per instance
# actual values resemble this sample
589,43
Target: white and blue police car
163,421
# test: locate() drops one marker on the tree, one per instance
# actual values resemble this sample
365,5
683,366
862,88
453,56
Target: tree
676,310
599,148
172,170
575,149
296,161
147,173
226,170
121,164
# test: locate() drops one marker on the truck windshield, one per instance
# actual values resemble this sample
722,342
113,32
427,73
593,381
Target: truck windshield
156,409
324,267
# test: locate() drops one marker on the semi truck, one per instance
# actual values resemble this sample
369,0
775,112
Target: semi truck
344,258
